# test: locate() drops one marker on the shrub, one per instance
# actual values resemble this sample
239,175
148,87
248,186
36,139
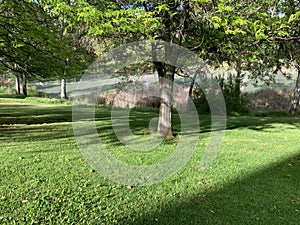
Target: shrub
234,100
269,99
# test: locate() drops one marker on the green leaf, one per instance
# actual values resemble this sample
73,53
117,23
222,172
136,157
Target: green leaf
235,31
228,8
294,17
260,35
240,22
283,33
216,21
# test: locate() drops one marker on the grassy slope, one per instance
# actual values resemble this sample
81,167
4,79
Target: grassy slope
44,180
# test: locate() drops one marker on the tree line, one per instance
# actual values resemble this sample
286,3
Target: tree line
59,38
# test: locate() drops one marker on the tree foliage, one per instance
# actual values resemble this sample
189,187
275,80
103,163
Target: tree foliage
257,37
31,41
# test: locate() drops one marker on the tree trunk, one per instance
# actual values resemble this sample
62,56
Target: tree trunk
237,106
18,85
296,98
63,89
238,80
166,80
165,71
24,85
17,81
191,90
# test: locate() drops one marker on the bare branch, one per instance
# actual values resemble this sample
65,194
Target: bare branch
284,38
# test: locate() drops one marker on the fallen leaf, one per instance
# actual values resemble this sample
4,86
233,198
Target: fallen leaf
212,211
200,183
25,201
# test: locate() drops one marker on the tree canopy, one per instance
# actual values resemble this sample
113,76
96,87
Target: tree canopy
31,41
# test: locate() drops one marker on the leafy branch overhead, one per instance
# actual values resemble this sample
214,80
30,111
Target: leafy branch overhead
31,42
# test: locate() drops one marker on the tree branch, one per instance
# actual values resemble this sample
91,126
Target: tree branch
285,38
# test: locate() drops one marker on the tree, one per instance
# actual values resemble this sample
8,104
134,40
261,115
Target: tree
271,43
279,41
170,21
27,46
30,43
296,97
292,45
239,32
81,53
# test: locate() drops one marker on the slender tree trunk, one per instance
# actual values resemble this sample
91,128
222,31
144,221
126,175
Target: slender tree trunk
296,98
18,85
17,81
191,90
63,89
238,80
237,106
193,81
24,85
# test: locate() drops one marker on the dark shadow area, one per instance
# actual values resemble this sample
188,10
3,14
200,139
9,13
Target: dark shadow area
25,113
30,114
270,196
33,133
12,96
260,123
108,137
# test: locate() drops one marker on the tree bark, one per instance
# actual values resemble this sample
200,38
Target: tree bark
191,90
63,89
17,81
24,85
18,85
238,80
166,81
296,98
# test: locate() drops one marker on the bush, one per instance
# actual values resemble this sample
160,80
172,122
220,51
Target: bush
200,101
270,113
3,89
32,91
235,101
269,99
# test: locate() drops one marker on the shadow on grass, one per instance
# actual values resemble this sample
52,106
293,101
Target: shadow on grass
261,124
270,196
32,133
32,113
2,95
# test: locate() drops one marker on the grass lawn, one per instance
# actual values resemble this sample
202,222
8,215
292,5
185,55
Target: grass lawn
255,178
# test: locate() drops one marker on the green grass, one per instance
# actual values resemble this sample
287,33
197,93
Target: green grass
255,178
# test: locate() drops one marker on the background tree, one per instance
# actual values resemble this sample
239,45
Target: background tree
31,44
290,44
80,53
266,46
